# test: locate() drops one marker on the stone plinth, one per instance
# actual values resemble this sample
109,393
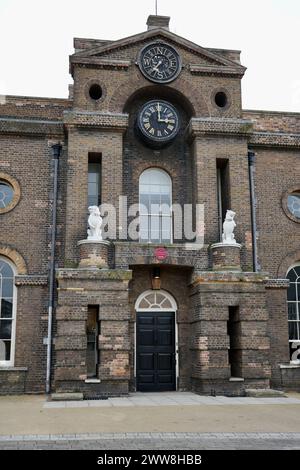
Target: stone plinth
93,253
226,256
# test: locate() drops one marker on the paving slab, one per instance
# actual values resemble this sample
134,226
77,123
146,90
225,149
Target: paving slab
164,413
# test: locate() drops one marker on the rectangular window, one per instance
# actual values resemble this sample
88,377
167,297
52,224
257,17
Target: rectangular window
235,352
223,191
93,331
94,179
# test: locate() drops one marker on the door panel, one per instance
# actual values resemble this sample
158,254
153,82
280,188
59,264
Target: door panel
155,354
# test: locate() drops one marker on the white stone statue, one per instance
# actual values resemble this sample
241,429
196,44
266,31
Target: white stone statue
94,222
228,228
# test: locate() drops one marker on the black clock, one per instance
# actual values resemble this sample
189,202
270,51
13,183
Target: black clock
159,62
158,122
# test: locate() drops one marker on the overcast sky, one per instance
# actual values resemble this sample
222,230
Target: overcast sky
36,38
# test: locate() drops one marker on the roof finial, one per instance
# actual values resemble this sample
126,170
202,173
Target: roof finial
156,7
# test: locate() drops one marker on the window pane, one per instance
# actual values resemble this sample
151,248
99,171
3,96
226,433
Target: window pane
292,311
144,201
154,224
297,270
94,175
294,204
291,293
292,275
93,189
166,228
93,201
5,349
6,308
165,209
165,199
5,329
5,269
6,194
7,287
155,199
293,330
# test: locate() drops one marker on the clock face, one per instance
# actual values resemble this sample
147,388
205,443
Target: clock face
159,62
158,122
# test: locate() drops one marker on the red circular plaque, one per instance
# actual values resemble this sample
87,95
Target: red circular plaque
160,253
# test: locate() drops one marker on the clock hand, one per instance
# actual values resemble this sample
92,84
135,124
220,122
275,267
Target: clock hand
163,120
158,109
155,68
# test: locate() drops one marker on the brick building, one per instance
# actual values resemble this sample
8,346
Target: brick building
157,119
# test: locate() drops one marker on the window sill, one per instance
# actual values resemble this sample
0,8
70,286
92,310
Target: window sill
236,379
291,365
92,381
13,369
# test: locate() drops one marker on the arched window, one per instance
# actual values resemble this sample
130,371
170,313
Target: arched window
157,300
155,206
293,298
7,312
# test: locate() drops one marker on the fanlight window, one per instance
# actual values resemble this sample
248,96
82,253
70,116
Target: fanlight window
155,206
156,300
293,299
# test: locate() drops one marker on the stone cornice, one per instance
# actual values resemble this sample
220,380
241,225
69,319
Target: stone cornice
219,277
272,139
225,126
30,126
100,63
277,283
224,71
28,280
111,121
98,274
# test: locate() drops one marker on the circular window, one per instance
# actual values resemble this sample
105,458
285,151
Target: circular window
9,193
293,204
6,194
95,92
221,99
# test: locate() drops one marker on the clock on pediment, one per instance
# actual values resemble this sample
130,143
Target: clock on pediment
158,122
159,62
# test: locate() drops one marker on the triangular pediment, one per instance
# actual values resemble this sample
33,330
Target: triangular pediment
126,49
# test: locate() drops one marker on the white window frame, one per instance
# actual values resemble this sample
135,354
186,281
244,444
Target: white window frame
11,362
297,303
160,215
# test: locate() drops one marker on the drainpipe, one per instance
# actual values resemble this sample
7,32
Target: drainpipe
251,161
56,149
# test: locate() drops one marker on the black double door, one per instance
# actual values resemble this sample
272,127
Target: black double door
155,352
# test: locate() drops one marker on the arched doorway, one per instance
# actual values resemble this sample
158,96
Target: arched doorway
156,364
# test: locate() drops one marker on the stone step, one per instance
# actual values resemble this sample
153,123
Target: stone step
66,396
264,393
